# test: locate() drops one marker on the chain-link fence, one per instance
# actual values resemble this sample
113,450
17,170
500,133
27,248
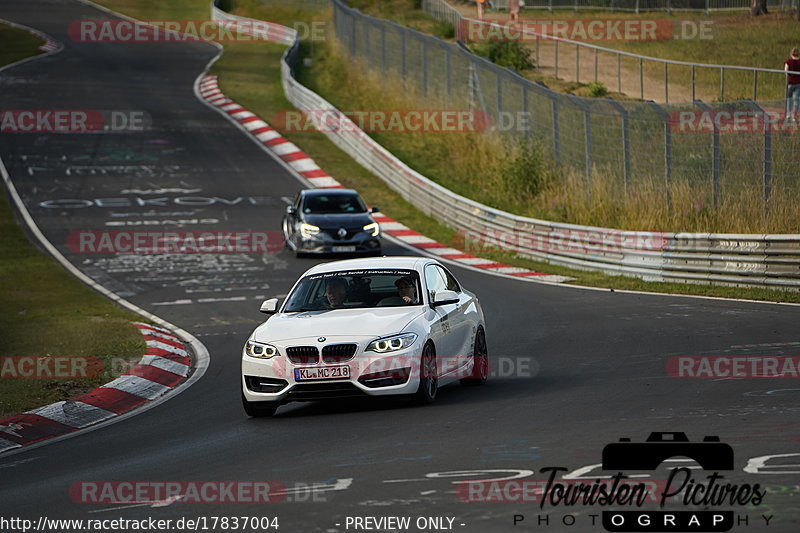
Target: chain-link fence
722,150
646,77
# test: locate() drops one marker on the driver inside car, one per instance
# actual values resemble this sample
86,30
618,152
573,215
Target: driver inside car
335,293
407,289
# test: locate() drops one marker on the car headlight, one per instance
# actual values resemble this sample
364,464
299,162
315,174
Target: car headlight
374,228
308,231
258,349
393,343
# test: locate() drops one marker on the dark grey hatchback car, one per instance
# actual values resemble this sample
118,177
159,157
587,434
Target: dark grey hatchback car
331,221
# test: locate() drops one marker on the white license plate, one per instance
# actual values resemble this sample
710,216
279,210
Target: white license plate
340,249
325,372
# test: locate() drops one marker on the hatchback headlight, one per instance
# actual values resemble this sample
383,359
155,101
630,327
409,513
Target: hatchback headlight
258,349
393,343
373,228
308,231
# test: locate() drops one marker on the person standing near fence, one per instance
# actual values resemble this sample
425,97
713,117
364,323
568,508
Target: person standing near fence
793,81
481,5
513,9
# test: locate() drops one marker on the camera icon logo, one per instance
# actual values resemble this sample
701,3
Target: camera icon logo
711,454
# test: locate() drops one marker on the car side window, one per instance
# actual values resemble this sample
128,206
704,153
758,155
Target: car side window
450,281
435,281
297,202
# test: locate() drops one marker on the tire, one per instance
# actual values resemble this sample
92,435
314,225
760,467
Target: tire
285,228
480,361
259,409
429,381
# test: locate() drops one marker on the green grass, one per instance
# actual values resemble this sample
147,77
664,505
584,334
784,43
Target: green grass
46,311
17,44
260,91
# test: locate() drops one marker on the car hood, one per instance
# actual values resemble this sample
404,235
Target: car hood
374,322
340,220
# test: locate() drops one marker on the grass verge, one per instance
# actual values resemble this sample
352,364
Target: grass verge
46,311
259,89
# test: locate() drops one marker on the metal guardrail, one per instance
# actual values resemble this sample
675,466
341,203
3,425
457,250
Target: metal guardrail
642,6
443,11
727,259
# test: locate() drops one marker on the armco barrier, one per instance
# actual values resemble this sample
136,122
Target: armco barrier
724,259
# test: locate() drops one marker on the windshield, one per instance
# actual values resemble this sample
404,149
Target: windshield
355,289
331,204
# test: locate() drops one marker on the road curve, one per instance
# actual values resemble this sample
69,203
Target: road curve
574,369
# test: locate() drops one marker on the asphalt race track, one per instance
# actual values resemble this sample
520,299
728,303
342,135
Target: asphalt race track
574,369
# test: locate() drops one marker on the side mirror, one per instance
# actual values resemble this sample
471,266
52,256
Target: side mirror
291,210
374,209
444,298
269,307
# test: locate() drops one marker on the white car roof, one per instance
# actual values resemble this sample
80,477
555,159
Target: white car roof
407,262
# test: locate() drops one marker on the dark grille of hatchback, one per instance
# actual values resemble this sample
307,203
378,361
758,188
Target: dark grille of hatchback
337,353
303,355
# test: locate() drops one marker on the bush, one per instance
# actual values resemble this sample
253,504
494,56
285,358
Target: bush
525,172
509,54
597,89
444,30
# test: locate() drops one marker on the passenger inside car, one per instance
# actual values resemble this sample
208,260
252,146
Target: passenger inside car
406,293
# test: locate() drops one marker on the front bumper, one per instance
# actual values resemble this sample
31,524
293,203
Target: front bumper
323,243
370,374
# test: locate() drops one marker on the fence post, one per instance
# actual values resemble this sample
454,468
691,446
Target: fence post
715,188
667,153
766,168
637,6
619,73
587,138
641,78
383,48
525,112
424,79
403,50
722,84
353,36
556,61
538,61
755,85
626,143
498,89
448,84
368,45
666,82
693,95
595,64
578,63
556,140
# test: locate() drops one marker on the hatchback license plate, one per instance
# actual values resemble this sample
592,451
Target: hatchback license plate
339,249
326,372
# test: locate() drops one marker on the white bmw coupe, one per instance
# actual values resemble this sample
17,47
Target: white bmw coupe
365,327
